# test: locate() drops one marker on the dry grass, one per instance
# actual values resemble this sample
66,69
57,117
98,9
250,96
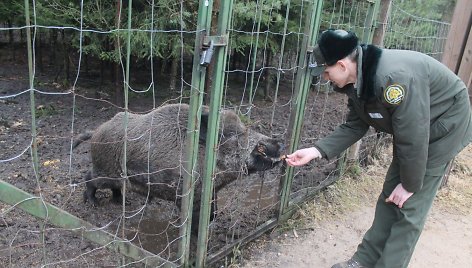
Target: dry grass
352,192
456,196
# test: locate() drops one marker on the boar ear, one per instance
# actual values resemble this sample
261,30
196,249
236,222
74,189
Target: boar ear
203,128
261,148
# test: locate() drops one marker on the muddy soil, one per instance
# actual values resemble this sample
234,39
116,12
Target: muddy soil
149,223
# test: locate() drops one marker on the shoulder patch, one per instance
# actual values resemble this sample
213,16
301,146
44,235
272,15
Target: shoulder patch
394,94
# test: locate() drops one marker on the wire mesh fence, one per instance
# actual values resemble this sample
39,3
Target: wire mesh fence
412,32
90,61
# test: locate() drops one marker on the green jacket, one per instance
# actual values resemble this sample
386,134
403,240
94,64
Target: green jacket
415,98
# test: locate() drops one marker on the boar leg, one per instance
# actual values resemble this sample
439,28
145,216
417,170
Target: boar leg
117,198
90,190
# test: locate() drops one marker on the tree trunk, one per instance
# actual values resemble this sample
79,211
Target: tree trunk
102,73
65,56
173,74
11,40
379,33
239,64
267,75
86,65
39,51
119,94
53,47
10,33
22,36
164,63
233,60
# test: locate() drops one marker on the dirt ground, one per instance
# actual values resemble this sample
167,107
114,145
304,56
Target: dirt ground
318,240
151,224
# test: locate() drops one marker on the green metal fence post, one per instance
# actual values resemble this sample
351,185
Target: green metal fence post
196,99
34,142
34,145
125,121
302,85
212,135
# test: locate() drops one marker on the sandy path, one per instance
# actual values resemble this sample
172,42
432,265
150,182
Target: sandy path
446,242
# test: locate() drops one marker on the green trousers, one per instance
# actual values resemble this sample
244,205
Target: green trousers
390,242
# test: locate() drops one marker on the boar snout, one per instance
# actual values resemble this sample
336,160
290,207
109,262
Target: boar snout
265,155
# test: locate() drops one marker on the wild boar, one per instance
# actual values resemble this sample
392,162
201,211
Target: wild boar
155,153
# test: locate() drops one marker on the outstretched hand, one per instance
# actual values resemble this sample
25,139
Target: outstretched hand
302,156
399,196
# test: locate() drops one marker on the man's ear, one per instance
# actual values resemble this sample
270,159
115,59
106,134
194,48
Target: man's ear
342,64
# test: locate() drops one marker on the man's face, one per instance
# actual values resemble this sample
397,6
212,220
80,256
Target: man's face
338,74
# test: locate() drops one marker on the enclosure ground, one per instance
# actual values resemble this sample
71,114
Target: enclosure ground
244,204
328,230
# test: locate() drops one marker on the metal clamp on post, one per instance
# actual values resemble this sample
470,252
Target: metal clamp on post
311,63
314,68
208,47
207,54
309,52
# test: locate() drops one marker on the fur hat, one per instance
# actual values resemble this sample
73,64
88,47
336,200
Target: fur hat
333,45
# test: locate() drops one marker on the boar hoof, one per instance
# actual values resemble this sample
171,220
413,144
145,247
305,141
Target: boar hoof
89,196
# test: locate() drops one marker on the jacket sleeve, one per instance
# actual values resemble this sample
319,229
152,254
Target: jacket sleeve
410,122
343,136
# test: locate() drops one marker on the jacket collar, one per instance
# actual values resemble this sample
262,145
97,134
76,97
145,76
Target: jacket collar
367,63
359,82
367,68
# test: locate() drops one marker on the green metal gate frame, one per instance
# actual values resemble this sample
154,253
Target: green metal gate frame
196,100
302,84
37,207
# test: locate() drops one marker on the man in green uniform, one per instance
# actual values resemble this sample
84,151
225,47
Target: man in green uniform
423,105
